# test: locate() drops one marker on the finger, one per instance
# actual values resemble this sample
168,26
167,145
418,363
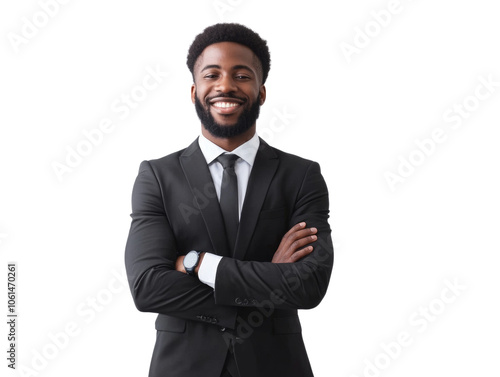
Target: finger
300,234
289,236
304,233
300,243
295,228
301,253
297,232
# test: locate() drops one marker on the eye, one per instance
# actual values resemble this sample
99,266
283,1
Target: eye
242,77
211,76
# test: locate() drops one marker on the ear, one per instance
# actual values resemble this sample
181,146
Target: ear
193,92
262,92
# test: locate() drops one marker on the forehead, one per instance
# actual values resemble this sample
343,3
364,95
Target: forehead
227,55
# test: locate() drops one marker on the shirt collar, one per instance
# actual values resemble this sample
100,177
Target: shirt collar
246,151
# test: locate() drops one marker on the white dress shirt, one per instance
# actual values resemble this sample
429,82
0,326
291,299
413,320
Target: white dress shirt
242,168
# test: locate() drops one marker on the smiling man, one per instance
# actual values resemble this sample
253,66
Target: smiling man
236,113
229,237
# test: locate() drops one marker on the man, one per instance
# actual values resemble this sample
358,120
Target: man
229,236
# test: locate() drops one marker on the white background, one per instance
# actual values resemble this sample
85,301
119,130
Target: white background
357,115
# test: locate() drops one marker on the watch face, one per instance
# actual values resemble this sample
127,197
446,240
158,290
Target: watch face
190,260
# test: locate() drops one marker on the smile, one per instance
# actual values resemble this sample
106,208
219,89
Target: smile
226,106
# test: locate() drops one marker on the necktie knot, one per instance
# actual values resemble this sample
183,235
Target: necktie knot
227,160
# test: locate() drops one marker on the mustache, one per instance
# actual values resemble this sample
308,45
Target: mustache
224,95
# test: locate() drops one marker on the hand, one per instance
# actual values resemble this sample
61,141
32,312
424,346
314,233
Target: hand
179,264
291,247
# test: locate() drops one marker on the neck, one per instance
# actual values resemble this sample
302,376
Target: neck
229,144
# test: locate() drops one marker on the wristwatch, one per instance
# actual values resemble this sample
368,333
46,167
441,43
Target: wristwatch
191,261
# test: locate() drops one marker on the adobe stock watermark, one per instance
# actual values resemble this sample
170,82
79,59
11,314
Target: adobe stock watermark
278,123
419,321
200,201
454,117
86,313
121,107
223,6
363,36
33,25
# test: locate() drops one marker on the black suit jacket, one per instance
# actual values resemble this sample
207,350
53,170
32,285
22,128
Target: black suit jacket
254,306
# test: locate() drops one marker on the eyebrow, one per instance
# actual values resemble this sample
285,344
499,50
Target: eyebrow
239,66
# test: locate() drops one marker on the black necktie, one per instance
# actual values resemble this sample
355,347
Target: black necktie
229,197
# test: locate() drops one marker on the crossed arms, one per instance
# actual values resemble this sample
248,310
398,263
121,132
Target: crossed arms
299,271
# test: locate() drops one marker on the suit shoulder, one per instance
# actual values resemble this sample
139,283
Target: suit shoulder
293,160
168,160
171,161
166,166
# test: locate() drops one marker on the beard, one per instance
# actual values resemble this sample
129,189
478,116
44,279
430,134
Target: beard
244,122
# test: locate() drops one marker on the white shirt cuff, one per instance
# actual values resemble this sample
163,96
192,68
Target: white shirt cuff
208,269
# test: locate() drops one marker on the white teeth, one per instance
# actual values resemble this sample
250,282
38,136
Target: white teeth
225,104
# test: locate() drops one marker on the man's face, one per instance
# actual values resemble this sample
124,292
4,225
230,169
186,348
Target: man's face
227,92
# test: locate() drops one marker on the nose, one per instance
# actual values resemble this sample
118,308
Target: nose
226,84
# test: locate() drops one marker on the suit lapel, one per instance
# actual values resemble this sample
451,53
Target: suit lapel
200,181
265,165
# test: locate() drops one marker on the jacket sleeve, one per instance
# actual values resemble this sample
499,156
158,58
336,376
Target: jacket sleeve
150,256
300,285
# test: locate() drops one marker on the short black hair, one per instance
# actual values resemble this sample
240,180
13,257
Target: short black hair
230,32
